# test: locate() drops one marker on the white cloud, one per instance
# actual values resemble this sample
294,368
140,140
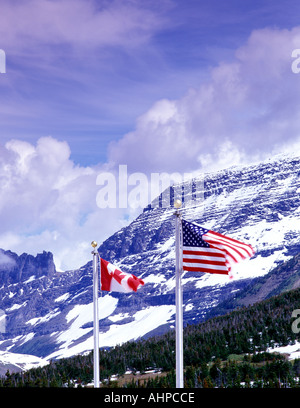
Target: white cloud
48,203
79,23
6,260
246,110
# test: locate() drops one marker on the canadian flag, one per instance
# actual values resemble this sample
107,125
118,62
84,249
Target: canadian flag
114,280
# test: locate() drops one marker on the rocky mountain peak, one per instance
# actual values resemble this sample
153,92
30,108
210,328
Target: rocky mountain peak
15,268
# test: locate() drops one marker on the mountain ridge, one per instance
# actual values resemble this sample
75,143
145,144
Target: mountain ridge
16,268
49,313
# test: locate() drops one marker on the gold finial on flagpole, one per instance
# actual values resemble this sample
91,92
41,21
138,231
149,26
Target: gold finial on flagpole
94,244
177,203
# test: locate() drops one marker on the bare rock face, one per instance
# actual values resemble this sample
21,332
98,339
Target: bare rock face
15,269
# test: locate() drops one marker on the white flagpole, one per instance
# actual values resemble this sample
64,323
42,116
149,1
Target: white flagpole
178,293
96,317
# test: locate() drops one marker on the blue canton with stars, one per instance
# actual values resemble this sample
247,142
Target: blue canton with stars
192,235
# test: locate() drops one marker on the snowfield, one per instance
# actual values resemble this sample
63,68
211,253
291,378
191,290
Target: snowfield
143,322
293,350
21,362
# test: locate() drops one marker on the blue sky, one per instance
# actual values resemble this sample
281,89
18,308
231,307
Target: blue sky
93,84
71,83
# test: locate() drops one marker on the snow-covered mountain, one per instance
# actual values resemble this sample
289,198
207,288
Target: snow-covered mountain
49,314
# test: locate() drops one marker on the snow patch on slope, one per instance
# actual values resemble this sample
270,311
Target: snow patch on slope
22,361
144,321
293,350
79,316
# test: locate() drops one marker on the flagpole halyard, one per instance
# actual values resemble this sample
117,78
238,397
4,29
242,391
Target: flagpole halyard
96,316
178,297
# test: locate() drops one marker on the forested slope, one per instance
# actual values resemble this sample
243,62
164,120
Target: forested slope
208,348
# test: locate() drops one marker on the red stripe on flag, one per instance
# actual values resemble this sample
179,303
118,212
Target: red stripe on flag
206,270
218,257
218,253
203,261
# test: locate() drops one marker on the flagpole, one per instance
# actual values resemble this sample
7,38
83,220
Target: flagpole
96,317
178,297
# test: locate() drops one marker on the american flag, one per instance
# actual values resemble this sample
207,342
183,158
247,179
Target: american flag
209,251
